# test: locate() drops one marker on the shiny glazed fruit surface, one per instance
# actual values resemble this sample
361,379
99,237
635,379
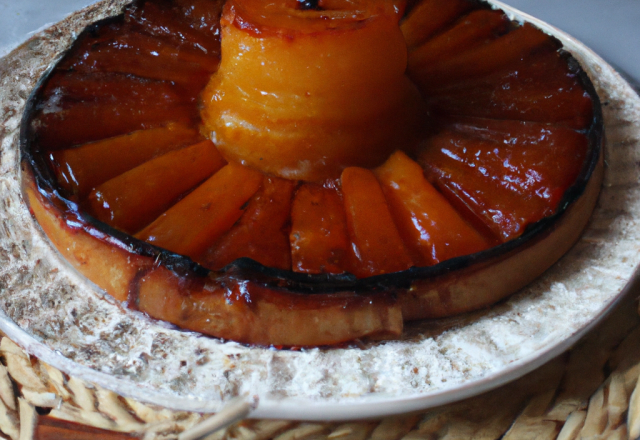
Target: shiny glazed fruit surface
309,173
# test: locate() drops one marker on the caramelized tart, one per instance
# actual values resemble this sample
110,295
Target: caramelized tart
308,173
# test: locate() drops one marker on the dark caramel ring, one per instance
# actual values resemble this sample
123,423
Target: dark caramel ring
303,94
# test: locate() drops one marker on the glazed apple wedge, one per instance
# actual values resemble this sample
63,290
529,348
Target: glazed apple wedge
507,186
202,217
261,233
124,203
319,237
309,173
433,230
80,169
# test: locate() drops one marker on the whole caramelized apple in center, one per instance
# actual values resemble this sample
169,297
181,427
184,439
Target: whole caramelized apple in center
304,93
304,173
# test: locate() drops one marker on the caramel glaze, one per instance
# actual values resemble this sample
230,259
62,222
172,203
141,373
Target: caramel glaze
251,297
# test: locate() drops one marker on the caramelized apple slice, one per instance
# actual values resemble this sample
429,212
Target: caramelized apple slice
430,227
545,63
507,186
471,31
528,135
81,169
534,143
130,62
566,105
503,213
375,240
201,15
247,312
134,199
319,237
495,55
77,87
273,106
115,49
190,226
430,16
164,49
556,97
162,21
543,87
262,231
87,122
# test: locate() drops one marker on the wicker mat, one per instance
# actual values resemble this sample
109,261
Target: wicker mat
589,392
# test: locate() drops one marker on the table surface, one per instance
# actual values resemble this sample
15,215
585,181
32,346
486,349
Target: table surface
610,27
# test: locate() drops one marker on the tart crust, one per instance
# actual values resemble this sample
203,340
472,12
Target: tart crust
250,303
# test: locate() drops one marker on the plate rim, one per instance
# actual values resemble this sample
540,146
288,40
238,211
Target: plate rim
367,406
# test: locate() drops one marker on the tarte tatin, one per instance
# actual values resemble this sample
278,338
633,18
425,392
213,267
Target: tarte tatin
306,173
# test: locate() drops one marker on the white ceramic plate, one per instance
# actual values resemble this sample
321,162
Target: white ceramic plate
67,322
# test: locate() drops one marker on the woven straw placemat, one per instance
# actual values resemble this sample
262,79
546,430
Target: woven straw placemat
590,392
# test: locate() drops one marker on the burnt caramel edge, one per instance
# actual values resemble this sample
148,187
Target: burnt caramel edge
32,161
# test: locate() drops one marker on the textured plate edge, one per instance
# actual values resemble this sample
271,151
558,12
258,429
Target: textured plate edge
366,406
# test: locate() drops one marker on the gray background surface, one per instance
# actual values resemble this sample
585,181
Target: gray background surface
610,27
